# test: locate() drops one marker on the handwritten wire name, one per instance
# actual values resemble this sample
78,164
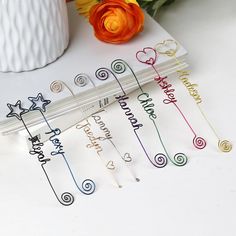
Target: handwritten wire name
94,143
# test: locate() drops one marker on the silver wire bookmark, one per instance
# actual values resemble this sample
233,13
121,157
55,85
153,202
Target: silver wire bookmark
82,80
57,87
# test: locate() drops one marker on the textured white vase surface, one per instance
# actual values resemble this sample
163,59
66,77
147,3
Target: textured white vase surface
33,33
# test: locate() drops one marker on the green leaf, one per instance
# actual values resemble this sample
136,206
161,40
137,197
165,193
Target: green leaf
152,6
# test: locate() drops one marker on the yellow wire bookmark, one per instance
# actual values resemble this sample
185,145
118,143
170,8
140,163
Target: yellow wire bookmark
170,47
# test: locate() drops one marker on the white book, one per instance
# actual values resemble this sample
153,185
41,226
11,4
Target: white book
85,54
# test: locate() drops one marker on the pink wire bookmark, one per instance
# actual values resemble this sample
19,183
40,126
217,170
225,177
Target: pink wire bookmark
149,57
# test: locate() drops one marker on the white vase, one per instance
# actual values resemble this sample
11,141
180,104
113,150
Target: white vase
33,33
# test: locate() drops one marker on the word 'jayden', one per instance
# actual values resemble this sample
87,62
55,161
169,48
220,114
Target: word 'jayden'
93,140
167,89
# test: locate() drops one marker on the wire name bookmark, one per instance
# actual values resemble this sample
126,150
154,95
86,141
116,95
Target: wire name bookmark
169,48
17,111
94,143
82,80
57,86
159,160
120,66
39,104
148,56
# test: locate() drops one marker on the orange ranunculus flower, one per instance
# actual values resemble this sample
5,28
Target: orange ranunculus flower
116,21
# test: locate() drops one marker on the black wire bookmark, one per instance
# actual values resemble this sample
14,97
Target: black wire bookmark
159,160
18,111
39,104
120,66
82,80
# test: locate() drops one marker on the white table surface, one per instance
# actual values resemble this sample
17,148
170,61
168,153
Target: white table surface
198,199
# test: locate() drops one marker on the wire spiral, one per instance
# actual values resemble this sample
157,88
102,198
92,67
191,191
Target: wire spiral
199,142
81,80
160,160
102,74
225,145
67,199
180,159
88,186
118,66
56,86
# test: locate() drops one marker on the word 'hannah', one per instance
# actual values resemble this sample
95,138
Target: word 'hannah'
133,121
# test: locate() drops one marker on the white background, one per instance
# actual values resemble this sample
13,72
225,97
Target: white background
198,199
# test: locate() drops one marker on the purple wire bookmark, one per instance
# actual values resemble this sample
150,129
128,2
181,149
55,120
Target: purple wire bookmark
160,160
39,104
119,66
149,56
18,111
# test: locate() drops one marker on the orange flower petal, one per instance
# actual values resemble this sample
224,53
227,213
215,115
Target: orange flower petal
116,21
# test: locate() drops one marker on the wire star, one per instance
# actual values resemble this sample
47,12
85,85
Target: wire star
16,110
39,103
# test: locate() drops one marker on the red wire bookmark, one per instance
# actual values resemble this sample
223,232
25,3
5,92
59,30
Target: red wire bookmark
149,57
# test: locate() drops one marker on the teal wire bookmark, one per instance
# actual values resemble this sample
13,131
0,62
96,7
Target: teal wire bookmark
17,111
159,160
149,56
120,66
39,104
82,80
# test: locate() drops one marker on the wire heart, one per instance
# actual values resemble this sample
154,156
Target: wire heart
147,56
110,165
127,157
168,47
